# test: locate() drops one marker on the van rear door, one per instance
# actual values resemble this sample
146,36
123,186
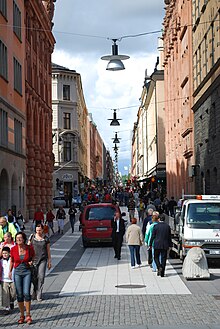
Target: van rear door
98,221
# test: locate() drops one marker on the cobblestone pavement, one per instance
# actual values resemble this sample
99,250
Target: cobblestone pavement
104,311
199,309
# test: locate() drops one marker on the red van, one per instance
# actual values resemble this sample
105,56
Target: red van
96,222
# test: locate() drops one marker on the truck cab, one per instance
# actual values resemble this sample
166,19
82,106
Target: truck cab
198,225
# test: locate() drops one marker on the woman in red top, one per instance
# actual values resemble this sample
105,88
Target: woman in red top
21,259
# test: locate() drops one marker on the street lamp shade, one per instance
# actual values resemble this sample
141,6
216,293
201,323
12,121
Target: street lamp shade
115,65
115,121
116,139
115,60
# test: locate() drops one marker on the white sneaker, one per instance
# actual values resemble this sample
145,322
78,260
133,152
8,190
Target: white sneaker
133,267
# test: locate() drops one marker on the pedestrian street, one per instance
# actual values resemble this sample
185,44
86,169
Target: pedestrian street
99,273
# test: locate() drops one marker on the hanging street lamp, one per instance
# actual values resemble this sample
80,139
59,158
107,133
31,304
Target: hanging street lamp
115,60
114,121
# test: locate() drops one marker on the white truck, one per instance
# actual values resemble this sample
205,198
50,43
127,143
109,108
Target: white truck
197,224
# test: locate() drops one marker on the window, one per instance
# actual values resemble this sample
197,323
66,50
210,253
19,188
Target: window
66,121
66,151
3,8
18,136
66,92
100,213
3,61
3,128
16,20
17,77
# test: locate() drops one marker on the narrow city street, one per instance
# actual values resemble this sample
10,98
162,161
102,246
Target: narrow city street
89,288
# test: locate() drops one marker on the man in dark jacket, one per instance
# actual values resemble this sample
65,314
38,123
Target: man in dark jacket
118,231
161,236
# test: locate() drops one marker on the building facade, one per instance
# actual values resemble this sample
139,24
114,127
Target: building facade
96,152
70,131
148,143
39,44
12,106
179,125
206,92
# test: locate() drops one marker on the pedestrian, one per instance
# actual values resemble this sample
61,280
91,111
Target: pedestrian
141,210
171,206
6,227
155,220
134,239
38,217
41,260
131,208
147,221
49,219
20,220
11,219
118,231
70,197
8,242
21,259
60,216
7,284
72,216
161,236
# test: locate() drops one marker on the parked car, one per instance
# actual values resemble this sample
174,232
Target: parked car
60,201
96,223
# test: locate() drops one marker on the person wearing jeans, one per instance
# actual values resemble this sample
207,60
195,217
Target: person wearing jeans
42,259
134,240
161,237
149,230
21,259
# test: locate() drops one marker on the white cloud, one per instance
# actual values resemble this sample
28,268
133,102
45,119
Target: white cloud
105,90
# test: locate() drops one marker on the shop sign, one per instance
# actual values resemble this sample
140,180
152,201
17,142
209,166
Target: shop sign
67,176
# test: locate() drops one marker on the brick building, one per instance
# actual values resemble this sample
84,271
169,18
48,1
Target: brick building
39,44
178,97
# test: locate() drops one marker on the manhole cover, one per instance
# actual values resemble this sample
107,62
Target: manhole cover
84,269
217,297
131,286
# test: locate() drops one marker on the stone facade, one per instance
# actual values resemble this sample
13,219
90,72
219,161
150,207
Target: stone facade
180,153
206,77
39,45
70,131
96,152
12,107
148,143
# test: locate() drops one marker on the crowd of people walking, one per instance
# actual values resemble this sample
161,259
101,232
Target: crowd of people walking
24,260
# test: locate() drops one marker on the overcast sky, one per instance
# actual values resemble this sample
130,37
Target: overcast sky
81,29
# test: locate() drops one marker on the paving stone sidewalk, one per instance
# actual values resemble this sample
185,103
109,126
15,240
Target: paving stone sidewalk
200,311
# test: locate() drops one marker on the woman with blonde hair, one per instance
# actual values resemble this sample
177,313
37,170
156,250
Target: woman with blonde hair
134,239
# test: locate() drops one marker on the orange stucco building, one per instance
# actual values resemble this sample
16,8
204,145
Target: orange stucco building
12,106
178,98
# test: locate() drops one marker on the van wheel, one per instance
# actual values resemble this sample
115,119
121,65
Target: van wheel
85,244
